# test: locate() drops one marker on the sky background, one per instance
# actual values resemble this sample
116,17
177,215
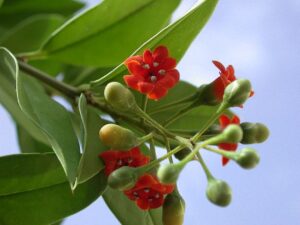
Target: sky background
261,40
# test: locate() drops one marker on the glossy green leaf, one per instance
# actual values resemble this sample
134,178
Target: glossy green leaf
26,172
38,194
177,36
107,33
8,98
30,33
53,119
1,2
13,12
90,164
28,144
127,212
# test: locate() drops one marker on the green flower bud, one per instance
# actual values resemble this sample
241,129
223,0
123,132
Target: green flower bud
254,133
232,134
237,92
218,192
123,178
168,174
182,153
247,158
173,210
119,97
117,137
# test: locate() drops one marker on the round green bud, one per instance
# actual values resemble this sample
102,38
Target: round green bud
123,178
173,210
168,174
218,192
117,137
182,153
247,158
119,97
237,92
232,133
254,133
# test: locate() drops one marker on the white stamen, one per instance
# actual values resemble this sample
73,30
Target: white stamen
162,72
120,162
146,66
155,64
146,190
135,194
153,78
150,199
130,160
157,195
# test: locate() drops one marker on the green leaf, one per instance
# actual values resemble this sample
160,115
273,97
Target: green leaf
53,119
30,145
107,33
13,12
177,36
127,212
30,33
90,164
8,98
40,195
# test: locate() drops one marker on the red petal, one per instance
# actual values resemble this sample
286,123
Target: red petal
224,121
137,58
156,203
251,93
145,87
137,69
147,57
225,161
218,88
132,81
158,92
168,64
235,120
108,155
167,82
219,66
230,73
160,53
143,204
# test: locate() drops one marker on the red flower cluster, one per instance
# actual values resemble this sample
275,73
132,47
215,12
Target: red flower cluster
224,122
153,73
226,77
148,192
114,159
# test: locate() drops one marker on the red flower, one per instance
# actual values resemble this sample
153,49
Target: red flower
148,192
224,122
114,159
226,77
153,73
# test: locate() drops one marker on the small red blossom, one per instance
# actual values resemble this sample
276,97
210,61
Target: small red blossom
153,73
226,77
114,159
148,192
224,122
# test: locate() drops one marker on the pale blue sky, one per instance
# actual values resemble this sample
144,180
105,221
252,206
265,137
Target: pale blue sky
261,39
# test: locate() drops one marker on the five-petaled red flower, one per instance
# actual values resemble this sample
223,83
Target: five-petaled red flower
114,159
224,122
153,73
226,77
148,192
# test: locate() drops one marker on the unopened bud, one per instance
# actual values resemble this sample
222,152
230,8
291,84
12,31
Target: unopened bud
218,192
173,210
247,158
237,92
123,178
168,174
119,97
232,134
254,133
117,137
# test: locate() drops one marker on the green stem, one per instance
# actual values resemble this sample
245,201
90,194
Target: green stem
145,138
68,90
208,174
227,154
168,148
152,149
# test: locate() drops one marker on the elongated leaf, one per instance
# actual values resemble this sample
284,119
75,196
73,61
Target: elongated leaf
39,195
8,98
30,33
53,119
106,34
177,36
13,12
28,144
26,172
90,164
127,212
